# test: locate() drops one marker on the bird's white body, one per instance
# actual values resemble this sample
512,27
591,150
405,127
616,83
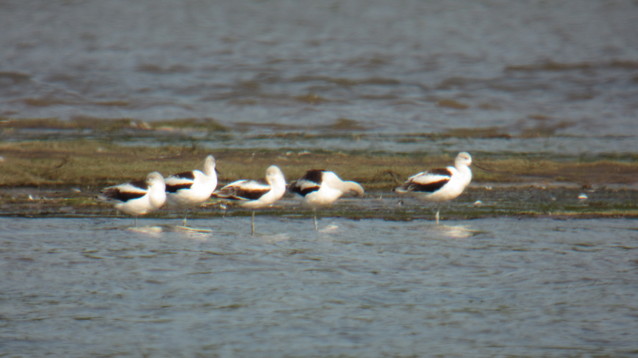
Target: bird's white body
440,185
322,188
252,194
325,196
275,193
457,181
190,189
137,198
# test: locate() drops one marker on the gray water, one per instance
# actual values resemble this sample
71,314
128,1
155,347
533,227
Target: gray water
566,70
488,287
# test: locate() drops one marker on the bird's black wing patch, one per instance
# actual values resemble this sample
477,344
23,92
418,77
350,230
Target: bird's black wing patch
303,188
440,171
116,194
176,187
314,175
185,175
243,190
427,188
140,184
250,194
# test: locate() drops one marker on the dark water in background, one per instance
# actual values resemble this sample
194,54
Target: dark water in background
567,70
367,288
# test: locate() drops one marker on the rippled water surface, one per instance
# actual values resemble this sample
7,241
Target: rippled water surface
488,287
565,70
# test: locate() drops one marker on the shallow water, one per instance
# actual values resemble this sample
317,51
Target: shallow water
563,71
487,287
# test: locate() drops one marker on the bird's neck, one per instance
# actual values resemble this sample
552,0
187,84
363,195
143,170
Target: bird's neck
465,171
277,185
350,186
209,170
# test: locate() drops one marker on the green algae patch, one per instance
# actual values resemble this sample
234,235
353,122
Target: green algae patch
592,172
451,103
206,124
40,178
95,162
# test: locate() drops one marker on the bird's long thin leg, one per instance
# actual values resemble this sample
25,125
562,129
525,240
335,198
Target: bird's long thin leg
315,220
437,216
252,224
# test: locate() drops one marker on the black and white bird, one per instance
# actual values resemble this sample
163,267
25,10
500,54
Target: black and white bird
320,188
253,194
189,189
441,184
137,197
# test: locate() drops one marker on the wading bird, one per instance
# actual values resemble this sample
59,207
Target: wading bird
253,194
441,184
189,189
137,197
320,188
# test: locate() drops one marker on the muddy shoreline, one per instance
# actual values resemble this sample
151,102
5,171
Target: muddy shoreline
60,176
476,202
479,201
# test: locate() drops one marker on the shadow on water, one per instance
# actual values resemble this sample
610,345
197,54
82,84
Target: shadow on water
454,231
274,229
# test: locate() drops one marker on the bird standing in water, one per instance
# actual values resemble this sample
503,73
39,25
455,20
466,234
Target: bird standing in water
321,188
189,189
253,194
441,184
137,197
